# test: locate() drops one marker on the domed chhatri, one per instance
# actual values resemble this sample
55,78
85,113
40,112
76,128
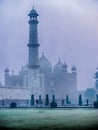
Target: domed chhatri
44,62
73,68
58,66
24,70
6,70
65,66
33,13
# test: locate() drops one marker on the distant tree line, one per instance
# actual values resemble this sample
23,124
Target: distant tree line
51,103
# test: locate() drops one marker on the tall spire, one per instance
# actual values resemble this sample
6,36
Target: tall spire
33,40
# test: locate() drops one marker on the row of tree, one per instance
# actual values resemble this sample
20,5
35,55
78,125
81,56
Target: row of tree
53,103
40,102
47,103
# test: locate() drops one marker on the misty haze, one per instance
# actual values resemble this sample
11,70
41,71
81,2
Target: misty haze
48,55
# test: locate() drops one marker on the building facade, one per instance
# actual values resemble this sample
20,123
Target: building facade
38,76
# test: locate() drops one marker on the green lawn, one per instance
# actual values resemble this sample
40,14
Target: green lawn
48,119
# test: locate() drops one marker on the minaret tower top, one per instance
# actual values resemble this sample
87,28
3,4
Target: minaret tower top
33,40
33,13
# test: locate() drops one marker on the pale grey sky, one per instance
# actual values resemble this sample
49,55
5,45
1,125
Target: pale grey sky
67,29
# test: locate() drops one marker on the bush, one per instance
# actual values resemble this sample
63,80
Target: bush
47,100
32,100
53,104
13,105
80,100
95,104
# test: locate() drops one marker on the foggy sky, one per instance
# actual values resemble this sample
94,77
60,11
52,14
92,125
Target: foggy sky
67,29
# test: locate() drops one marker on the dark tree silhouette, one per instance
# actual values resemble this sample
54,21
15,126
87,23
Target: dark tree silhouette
87,102
32,100
2,102
62,102
36,101
95,104
53,104
67,100
80,100
53,98
40,100
97,97
13,105
47,100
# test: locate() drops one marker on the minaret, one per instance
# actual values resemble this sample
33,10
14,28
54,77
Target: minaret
33,64
33,40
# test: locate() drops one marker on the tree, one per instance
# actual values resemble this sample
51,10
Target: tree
87,102
97,97
53,98
47,100
95,104
2,102
13,105
53,104
32,100
62,102
67,100
40,100
80,100
36,101
90,94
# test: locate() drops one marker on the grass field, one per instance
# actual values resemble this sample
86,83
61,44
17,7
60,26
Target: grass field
49,119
